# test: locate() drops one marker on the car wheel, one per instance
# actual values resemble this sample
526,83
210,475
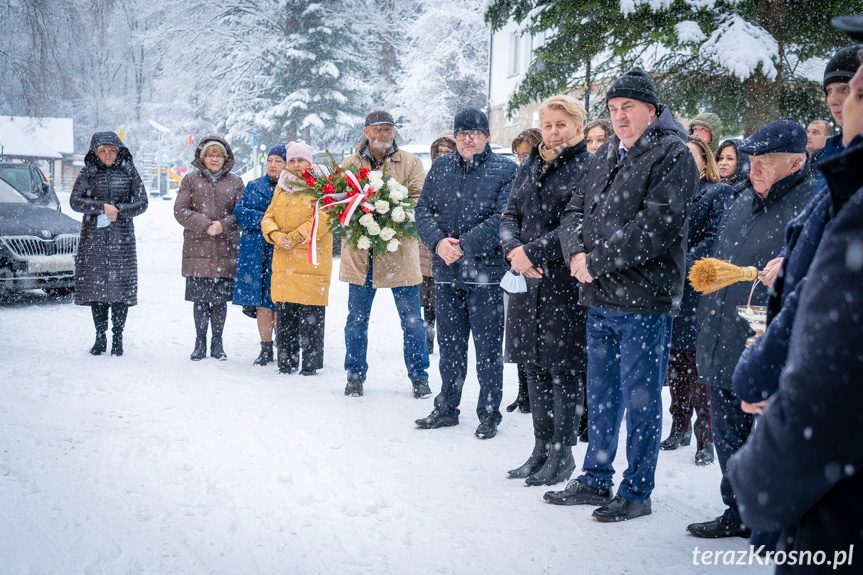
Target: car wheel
59,292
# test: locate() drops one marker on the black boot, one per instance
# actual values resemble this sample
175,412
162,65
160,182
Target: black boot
200,351
100,345
266,355
558,467
704,455
676,439
119,311
117,343
534,463
522,400
216,350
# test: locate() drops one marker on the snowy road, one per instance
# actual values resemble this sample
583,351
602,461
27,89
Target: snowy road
150,463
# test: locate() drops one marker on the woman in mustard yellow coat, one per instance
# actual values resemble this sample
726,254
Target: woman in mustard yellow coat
299,289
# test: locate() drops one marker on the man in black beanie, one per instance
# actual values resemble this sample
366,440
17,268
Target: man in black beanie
839,71
458,220
624,234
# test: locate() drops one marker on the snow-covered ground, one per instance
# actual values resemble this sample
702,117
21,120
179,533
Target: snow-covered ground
153,464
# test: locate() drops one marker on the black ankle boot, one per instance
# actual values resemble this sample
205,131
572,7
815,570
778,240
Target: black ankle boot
522,400
100,345
534,463
117,344
558,467
200,351
266,355
216,350
676,439
704,455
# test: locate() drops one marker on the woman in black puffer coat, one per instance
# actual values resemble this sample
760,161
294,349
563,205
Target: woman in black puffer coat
545,327
109,192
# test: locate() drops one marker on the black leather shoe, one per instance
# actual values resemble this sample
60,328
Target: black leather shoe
577,493
718,528
354,388
676,439
487,428
704,455
100,345
422,389
558,467
437,419
200,351
216,349
621,509
534,463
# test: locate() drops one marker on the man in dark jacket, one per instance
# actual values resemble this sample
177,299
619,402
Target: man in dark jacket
624,235
458,220
751,232
819,512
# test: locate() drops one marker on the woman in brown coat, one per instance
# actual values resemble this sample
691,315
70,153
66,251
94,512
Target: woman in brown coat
299,288
205,208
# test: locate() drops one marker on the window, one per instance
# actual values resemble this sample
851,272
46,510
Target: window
514,54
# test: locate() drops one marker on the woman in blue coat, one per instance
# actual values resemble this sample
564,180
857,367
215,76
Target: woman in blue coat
687,394
255,258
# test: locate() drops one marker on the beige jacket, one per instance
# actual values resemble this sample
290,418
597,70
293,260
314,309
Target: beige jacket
396,269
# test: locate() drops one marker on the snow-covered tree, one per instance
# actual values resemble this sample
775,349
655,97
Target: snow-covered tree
445,68
750,60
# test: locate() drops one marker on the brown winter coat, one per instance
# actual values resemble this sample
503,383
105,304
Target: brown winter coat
199,203
295,280
396,269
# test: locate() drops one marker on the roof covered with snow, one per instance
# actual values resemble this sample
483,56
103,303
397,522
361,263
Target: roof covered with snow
36,137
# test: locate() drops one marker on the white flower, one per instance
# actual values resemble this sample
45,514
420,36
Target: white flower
382,206
397,191
373,229
364,243
376,180
387,234
366,220
411,216
393,245
398,214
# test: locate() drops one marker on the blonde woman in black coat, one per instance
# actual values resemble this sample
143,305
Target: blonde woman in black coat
109,192
545,327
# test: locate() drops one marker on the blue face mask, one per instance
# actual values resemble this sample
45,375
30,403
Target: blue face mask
103,221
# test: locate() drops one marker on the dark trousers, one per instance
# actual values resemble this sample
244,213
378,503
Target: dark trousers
119,312
300,327
627,359
555,403
462,311
688,395
731,428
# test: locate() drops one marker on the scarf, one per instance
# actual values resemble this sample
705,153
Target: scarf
548,156
214,176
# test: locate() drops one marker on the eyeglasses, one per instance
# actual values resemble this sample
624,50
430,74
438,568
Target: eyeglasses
216,157
472,134
522,157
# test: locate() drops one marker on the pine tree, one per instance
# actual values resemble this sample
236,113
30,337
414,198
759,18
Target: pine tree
750,60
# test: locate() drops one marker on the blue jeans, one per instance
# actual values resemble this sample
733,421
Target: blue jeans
627,358
461,311
415,349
